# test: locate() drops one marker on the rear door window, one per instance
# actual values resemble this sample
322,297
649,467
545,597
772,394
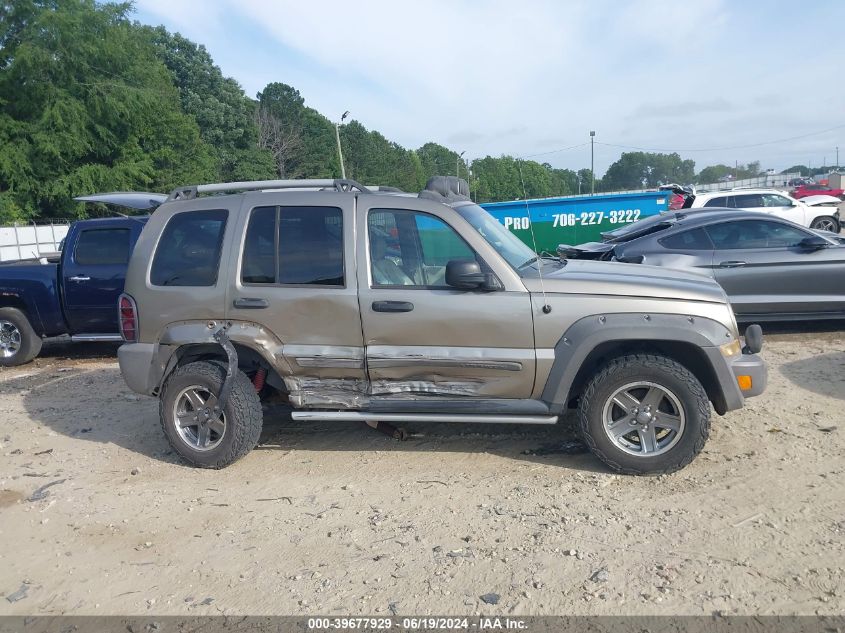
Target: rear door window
188,253
294,246
102,247
719,201
749,201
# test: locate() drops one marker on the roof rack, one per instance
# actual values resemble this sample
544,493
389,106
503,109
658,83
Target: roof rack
338,184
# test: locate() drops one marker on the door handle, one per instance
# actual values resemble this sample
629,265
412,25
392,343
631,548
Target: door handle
79,278
392,306
732,264
251,303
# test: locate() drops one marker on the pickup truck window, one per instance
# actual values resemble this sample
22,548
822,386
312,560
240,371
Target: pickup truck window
412,249
188,253
102,247
294,246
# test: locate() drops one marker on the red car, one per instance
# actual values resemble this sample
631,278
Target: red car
803,191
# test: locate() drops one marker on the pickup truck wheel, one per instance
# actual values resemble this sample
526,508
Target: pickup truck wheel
645,414
203,440
19,343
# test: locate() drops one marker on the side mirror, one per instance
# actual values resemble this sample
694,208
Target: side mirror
813,243
465,274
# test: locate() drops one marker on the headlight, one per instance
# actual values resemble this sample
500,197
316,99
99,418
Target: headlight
731,349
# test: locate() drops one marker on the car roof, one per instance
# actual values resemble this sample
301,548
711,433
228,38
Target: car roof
683,220
740,192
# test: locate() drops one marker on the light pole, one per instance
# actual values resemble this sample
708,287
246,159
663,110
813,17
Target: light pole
458,163
339,151
592,163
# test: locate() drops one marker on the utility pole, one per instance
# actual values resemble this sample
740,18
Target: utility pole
592,163
339,151
458,163
837,158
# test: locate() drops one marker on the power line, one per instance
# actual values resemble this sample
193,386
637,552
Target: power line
722,149
555,151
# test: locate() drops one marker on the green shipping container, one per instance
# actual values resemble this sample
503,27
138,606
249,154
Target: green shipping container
575,219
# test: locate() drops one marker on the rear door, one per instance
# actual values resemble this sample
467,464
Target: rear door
425,339
294,275
93,275
763,269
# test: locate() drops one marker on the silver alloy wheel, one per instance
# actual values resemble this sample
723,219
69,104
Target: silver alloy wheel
10,339
196,423
825,224
643,419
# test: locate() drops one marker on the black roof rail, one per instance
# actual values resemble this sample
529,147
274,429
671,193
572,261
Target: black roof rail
337,184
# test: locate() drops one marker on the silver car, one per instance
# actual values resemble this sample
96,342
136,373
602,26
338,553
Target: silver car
772,269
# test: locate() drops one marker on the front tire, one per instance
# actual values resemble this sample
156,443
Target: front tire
19,343
645,414
826,223
209,441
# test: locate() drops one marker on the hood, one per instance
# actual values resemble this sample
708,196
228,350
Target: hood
821,200
636,280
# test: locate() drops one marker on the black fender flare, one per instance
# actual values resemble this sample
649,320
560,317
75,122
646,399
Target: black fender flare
588,333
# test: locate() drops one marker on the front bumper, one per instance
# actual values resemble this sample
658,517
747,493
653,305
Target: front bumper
754,368
728,371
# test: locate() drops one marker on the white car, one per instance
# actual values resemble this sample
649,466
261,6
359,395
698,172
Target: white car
777,203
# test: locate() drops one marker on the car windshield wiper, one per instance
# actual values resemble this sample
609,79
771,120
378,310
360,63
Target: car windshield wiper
527,262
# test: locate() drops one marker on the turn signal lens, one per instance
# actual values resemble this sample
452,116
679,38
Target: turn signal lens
731,349
744,382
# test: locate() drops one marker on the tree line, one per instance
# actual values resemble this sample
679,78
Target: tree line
92,101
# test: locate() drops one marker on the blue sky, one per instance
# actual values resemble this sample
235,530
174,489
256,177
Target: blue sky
532,77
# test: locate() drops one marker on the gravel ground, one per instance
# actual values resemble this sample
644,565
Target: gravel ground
97,516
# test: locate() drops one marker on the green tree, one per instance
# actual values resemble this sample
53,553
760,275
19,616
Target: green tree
225,115
635,170
797,169
86,106
716,173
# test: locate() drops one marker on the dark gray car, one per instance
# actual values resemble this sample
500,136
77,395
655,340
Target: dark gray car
771,269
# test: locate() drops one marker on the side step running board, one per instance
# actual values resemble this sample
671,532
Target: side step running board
93,338
364,416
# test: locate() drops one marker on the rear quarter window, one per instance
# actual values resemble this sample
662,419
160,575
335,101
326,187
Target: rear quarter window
693,240
188,252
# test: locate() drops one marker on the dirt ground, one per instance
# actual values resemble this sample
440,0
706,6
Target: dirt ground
338,519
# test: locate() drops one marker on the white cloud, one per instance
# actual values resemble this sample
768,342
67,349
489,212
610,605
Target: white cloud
528,76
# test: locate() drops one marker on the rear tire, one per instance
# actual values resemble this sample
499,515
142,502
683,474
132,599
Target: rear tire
826,223
216,442
645,414
19,343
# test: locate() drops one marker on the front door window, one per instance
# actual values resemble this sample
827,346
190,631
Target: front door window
412,249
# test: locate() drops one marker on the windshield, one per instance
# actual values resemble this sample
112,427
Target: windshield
506,243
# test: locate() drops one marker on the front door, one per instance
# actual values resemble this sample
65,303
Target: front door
93,277
763,269
424,339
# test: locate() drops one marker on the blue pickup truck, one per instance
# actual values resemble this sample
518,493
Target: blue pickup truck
76,295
